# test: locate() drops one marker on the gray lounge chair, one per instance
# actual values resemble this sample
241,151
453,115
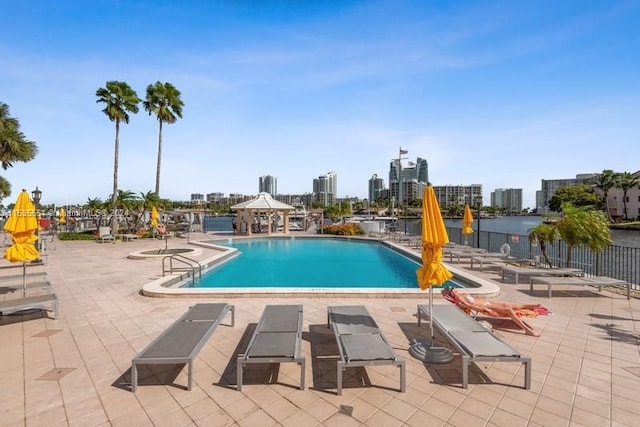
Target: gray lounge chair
181,342
517,271
361,342
276,339
472,340
13,305
43,285
598,281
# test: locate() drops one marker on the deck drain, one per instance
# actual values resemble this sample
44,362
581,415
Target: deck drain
346,410
55,374
47,333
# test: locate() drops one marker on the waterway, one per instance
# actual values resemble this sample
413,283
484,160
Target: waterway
507,224
522,224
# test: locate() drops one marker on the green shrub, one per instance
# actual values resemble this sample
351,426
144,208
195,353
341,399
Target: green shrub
77,236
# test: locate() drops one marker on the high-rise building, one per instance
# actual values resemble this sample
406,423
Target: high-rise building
325,189
508,200
376,188
268,184
458,195
408,182
197,198
550,186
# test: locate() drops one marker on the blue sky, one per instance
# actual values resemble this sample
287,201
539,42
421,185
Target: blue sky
498,93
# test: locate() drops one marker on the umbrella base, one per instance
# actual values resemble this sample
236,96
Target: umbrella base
425,351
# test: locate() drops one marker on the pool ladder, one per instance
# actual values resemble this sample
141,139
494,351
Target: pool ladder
191,265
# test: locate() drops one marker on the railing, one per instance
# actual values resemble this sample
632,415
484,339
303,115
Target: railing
619,262
192,265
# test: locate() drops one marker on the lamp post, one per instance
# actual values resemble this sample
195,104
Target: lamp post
393,201
36,195
478,200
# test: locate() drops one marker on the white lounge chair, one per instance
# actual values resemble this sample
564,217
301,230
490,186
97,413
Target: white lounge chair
104,235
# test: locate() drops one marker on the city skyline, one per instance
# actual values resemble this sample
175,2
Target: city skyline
501,94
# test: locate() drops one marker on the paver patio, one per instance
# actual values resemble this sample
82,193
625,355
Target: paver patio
76,370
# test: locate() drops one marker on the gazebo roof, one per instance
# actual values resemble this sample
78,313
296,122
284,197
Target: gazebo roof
264,201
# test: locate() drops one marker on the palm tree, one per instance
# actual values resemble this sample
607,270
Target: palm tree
625,182
543,234
583,226
14,147
119,100
147,201
125,201
605,182
163,100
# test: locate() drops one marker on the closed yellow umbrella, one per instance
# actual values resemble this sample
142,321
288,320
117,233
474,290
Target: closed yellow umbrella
154,217
433,272
63,216
22,224
467,220
434,237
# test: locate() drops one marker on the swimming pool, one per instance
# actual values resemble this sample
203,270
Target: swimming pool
305,279
312,263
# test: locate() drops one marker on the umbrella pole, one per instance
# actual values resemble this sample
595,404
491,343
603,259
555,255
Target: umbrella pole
425,350
24,279
433,335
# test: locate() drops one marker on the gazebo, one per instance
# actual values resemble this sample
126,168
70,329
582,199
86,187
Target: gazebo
261,215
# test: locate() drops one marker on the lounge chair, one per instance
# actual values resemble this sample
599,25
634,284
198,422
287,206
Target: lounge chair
277,338
517,271
13,305
472,340
593,281
361,342
104,235
497,262
43,285
39,275
181,342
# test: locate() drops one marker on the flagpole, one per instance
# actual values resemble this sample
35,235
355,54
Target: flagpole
399,178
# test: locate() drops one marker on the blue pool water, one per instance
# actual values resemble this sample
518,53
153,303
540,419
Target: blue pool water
312,263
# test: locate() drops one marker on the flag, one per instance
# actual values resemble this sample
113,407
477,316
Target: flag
403,151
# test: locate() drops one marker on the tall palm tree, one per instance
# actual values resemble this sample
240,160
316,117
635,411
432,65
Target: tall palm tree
119,100
14,146
163,100
625,182
605,182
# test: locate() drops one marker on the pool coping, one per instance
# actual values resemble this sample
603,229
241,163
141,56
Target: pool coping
165,287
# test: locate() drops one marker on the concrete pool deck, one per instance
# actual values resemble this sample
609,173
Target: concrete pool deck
75,370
